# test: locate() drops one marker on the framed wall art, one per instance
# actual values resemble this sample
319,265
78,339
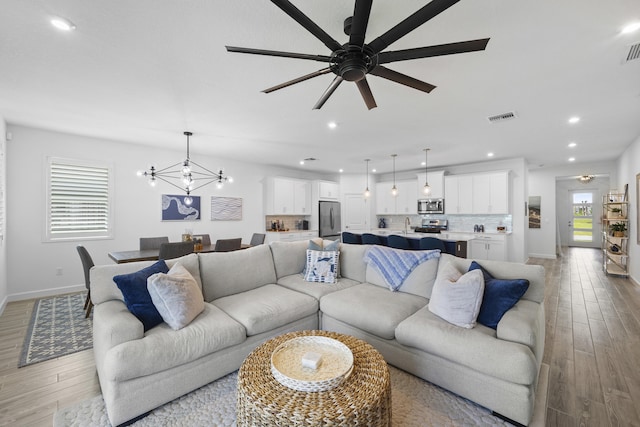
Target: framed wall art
226,208
175,209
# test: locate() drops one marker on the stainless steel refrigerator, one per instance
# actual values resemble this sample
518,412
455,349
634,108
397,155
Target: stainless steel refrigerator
330,226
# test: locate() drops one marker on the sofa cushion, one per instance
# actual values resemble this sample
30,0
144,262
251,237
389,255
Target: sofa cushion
395,265
352,265
317,290
176,296
419,282
499,296
163,348
290,257
136,296
371,308
456,297
322,266
228,273
476,348
267,307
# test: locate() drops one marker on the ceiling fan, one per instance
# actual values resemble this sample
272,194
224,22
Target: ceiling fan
355,59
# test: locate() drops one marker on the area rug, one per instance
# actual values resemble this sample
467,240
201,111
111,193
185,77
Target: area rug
414,403
57,328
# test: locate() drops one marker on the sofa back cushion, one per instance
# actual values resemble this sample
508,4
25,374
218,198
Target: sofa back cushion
290,257
352,265
229,273
507,270
419,282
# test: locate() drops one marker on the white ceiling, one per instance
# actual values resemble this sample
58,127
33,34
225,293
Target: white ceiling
144,71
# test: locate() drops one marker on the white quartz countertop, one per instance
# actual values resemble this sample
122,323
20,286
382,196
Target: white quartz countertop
447,235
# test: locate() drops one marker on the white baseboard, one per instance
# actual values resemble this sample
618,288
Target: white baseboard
546,256
46,293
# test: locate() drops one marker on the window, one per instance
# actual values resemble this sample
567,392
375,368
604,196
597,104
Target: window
78,200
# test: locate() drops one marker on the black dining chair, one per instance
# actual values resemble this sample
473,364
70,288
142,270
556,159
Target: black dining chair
175,250
432,243
87,263
205,239
371,239
398,242
257,239
228,245
348,237
152,242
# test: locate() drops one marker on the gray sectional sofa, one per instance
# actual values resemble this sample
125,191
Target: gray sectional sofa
258,293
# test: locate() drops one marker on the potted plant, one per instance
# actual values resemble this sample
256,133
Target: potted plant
618,229
616,212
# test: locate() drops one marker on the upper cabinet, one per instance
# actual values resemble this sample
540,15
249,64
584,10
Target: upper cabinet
328,190
483,193
405,203
287,196
436,182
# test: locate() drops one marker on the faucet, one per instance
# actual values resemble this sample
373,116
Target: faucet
407,224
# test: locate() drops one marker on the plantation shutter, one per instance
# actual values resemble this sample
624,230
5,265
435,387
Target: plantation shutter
79,200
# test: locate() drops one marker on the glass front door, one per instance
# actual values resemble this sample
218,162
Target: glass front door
581,222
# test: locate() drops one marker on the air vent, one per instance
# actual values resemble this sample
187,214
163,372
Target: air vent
310,159
502,117
634,52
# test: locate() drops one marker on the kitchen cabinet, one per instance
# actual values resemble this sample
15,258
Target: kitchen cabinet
458,191
287,196
491,193
290,236
436,182
405,203
328,190
489,247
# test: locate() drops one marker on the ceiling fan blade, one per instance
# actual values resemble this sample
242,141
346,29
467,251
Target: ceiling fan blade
327,93
298,80
403,79
307,23
360,21
429,51
321,58
424,14
365,91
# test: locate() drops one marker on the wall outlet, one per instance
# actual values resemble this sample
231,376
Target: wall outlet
59,271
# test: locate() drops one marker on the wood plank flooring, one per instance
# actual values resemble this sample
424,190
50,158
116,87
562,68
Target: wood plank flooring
592,350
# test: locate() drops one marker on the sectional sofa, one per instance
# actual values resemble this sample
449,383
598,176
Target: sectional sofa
258,293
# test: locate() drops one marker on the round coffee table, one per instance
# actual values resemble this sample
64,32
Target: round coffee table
364,398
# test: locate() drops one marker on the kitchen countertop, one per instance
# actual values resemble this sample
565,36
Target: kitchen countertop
447,235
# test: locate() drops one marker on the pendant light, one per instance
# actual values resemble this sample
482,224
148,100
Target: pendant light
426,190
394,189
367,193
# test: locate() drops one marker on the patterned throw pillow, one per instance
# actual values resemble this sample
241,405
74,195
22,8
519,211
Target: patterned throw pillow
322,266
333,246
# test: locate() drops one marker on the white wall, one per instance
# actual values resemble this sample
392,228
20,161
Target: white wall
542,182
4,293
32,263
628,168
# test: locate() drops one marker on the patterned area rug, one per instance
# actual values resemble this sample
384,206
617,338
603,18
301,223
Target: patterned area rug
414,403
57,328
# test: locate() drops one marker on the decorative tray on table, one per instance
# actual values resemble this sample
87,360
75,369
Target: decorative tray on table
287,363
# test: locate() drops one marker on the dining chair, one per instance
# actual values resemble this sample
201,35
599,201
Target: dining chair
398,242
432,243
257,239
371,239
152,242
348,237
87,263
206,239
175,250
227,245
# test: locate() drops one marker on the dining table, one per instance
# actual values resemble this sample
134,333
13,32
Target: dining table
121,257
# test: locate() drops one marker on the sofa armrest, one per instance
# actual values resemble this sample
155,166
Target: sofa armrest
114,324
524,324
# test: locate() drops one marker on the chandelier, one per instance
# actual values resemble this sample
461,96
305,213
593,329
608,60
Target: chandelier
186,175
585,179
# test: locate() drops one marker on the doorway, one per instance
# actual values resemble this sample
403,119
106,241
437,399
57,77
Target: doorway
582,230
356,213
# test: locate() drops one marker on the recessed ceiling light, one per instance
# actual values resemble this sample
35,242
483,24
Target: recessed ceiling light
490,154
572,159
302,162
423,163
373,170
633,27
574,120
572,144
62,24
341,170
332,125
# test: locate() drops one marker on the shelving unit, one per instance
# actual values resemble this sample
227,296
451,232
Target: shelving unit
615,244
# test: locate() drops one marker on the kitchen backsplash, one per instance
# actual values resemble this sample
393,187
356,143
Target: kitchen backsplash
288,222
462,223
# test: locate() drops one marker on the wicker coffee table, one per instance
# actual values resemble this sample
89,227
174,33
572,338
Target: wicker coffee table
364,398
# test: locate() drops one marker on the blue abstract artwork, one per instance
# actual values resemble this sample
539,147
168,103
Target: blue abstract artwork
174,208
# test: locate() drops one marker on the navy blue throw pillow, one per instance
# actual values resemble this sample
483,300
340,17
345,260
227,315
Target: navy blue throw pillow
499,296
136,296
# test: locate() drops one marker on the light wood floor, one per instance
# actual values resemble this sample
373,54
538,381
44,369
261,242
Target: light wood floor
592,349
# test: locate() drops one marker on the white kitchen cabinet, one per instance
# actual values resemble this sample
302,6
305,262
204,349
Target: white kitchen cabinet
436,182
290,236
405,203
491,193
328,190
489,247
385,202
458,194
287,196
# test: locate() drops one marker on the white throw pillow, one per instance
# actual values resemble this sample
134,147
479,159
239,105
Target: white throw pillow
456,297
176,296
322,266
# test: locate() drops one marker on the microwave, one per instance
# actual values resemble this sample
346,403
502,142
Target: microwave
430,206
